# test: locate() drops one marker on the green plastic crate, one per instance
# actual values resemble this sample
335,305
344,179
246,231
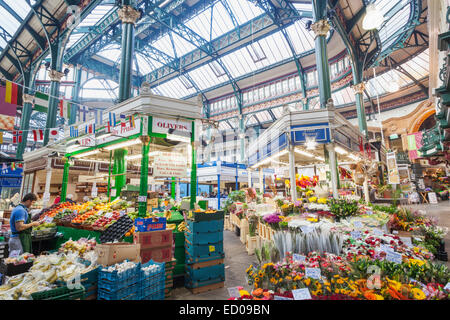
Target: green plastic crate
179,270
179,238
61,293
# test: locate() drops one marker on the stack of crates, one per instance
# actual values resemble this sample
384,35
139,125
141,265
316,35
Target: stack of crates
178,237
205,255
151,282
168,284
118,286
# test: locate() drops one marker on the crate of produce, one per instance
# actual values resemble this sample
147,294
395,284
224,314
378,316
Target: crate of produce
206,273
212,256
128,293
150,273
150,290
112,253
153,239
61,293
90,292
150,224
12,269
170,264
105,273
208,215
117,230
198,250
205,226
163,254
203,237
113,286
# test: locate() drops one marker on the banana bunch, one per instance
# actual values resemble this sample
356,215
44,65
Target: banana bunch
182,227
168,214
171,226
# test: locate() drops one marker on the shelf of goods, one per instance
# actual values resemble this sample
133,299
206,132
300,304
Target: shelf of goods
205,269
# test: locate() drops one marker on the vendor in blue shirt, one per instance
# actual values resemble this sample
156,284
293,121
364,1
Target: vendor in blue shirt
21,225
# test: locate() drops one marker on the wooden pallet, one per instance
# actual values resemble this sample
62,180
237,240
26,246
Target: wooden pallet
204,264
207,288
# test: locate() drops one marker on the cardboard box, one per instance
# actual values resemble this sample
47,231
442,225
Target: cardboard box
153,239
161,254
112,253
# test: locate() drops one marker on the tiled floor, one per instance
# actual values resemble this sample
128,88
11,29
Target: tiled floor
237,260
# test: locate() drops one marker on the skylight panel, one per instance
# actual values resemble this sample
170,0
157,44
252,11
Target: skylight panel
165,45
217,69
256,52
302,39
244,10
222,22
20,7
9,23
201,24
181,45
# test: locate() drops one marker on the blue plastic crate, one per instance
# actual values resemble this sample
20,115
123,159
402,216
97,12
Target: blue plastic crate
145,225
206,273
213,256
145,275
203,237
198,250
117,285
188,283
119,277
159,295
154,288
122,294
205,226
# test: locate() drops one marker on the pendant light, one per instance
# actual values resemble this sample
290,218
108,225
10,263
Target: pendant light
373,18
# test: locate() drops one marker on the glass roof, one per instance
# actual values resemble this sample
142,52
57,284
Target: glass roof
12,12
396,17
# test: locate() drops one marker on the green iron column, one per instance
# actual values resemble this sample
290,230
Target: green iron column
119,171
360,109
128,15
172,188
143,186
65,180
321,28
193,169
75,94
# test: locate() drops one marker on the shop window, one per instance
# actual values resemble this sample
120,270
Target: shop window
297,82
267,91
291,84
279,90
273,90
285,86
396,144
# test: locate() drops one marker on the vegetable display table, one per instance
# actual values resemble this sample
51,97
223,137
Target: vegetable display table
76,234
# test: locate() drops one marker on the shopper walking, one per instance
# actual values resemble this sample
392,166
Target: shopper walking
20,223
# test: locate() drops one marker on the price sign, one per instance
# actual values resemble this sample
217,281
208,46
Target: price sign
421,184
14,253
48,219
393,257
129,210
447,286
113,192
108,214
357,224
94,192
234,292
407,241
301,294
306,229
298,257
377,232
312,273
386,248
369,212
281,298
212,248
46,197
432,197
395,232
355,234
142,198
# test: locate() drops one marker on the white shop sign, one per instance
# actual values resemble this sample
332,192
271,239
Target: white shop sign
88,141
163,125
120,131
170,164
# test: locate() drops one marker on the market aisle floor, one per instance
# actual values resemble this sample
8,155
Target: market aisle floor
442,212
236,262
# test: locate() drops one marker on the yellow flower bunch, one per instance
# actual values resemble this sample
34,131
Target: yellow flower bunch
418,294
309,193
312,219
322,201
416,262
312,199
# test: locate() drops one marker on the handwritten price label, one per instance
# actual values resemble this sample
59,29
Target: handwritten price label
355,234
306,229
301,294
447,286
48,220
393,257
298,257
313,273
142,199
386,248
212,248
108,215
358,224
234,292
377,232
